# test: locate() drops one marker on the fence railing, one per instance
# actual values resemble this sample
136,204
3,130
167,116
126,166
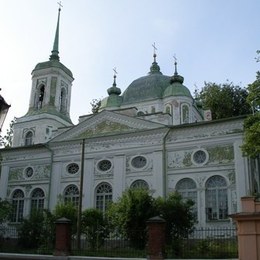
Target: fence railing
204,243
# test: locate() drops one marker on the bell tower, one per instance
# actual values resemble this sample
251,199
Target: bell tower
49,105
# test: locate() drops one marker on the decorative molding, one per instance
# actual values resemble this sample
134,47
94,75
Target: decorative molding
205,131
106,122
41,172
148,167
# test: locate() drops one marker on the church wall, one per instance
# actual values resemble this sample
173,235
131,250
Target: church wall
221,157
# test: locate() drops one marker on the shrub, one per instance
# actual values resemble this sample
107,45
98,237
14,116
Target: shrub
94,226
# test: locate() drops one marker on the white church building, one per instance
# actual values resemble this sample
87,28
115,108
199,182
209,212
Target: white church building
154,135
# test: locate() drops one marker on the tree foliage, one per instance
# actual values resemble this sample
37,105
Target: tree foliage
177,214
251,142
254,94
67,210
136,206
94,225
7,139
5,210
224,100
95,105
37,230
130,214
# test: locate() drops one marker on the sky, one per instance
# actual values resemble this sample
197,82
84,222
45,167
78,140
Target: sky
213,40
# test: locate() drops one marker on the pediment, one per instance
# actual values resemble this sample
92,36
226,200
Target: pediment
106,123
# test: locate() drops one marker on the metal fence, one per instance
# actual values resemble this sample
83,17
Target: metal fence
206,243
202,243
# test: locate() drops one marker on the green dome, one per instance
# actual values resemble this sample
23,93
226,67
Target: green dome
176,89
146,88
55,64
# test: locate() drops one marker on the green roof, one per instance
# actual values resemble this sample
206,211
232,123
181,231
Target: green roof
146,88
54,64
176,89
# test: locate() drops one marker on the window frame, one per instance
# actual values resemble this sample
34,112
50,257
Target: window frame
18,199
215,196
103,196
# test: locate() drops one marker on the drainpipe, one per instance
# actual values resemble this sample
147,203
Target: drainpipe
49,192
80,194
165,180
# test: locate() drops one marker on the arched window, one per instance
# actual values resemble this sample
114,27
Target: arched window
63,100
41,96
140,113
168,109
28,138
140,184
216,198
185,113
71,194
37,199
188,190
103,196
17,206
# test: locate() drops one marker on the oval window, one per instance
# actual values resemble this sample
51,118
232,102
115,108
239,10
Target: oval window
73,168
139,162
104,165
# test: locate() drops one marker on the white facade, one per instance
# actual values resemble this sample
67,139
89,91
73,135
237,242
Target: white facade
160,142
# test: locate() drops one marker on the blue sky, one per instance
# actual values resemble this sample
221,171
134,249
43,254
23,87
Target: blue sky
213,40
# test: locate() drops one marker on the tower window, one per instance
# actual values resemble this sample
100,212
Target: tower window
41,96
63,100
185,114
168,109
28,138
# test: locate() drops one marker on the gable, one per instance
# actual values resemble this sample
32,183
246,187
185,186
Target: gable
106,123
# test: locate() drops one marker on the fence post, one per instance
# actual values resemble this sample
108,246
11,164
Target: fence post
248,229
156,238
63,237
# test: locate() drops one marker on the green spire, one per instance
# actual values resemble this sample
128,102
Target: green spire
155,68
55,50
176,77
114,89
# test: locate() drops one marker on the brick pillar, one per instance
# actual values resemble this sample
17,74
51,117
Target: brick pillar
156,238
63,237
248,229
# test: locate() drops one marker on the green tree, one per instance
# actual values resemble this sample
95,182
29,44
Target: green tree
67,210
5,210
7,139
95,105
253,98
130,213
177,214
94,225
251,142
224,100
37,230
